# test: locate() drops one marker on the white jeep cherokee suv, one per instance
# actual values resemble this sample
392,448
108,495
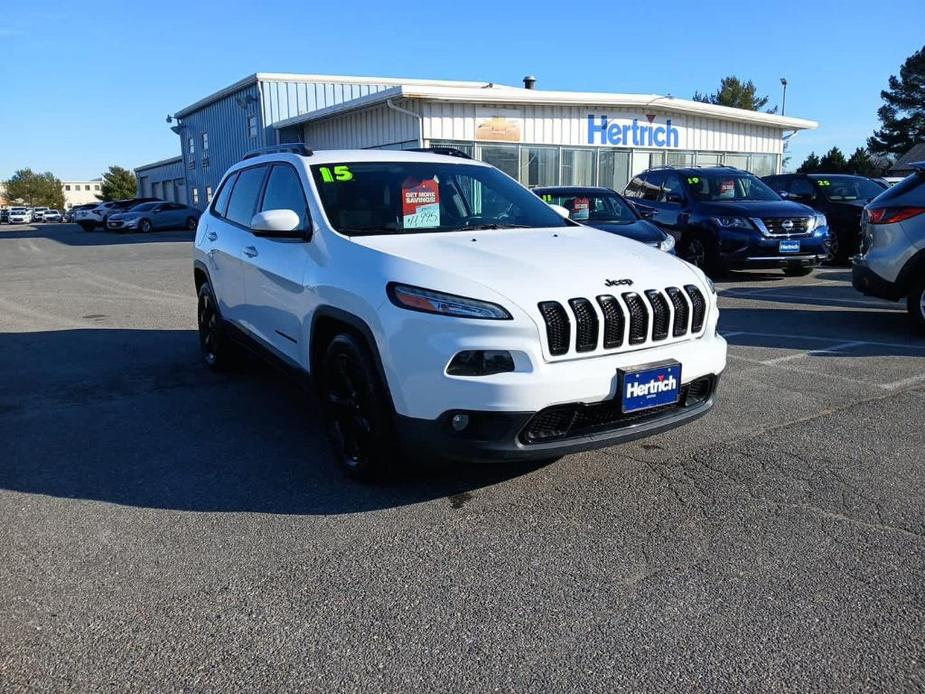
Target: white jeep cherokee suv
441,307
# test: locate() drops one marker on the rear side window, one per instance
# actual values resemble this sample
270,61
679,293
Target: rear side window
284,192
652,185
634,189
221,202
243,202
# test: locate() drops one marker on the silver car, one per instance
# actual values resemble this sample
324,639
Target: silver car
892,260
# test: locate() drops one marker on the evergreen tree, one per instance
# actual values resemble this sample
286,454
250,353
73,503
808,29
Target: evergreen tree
118,184
810,164
35,190
860,163
737,94
833,162
903,110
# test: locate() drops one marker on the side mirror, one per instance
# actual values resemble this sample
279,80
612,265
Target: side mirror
561,211
784,194
645,212
280,224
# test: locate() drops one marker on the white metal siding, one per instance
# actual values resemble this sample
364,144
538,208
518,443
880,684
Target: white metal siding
379,126
566,125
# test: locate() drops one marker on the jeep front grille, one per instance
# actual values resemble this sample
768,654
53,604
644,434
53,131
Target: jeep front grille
631,320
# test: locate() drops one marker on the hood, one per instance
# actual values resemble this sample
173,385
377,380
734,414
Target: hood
527,266
641,230
758,208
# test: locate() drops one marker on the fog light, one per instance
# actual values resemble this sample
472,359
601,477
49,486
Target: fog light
480,363
460,421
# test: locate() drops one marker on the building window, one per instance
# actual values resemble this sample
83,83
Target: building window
613,169
205,162
679,159
191,145
195,196
191,164
67,187
504,157
578,167
252,126
205,142
86,187
540,166
208,194
96,186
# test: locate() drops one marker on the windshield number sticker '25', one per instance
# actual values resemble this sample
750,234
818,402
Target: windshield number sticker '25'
341,173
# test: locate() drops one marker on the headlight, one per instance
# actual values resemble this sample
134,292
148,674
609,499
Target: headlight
732,222
818,220
429,301
667,243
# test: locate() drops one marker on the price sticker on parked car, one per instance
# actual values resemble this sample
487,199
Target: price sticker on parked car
421,205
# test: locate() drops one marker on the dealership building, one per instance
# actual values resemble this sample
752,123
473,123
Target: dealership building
538,136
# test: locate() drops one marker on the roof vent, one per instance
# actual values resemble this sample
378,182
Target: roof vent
529,82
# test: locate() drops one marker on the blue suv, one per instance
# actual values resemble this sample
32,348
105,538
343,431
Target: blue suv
725,218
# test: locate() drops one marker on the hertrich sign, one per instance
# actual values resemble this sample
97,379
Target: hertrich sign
631,133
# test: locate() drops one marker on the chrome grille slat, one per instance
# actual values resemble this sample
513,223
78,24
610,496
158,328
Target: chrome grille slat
775,227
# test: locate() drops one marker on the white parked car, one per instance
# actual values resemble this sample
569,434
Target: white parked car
441,306
20,215
38,214
52,216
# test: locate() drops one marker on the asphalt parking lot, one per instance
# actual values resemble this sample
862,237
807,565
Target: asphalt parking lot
163,529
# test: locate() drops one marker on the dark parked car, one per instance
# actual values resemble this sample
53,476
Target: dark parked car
840,197
726,218
603,208
150,216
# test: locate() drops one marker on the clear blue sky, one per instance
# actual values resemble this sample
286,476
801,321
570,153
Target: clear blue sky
86,85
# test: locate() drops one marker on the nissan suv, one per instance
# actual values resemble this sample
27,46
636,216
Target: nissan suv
892,260
725,218
441,307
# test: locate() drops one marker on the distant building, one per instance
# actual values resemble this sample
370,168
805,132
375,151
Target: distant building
902,166
538,137
80,192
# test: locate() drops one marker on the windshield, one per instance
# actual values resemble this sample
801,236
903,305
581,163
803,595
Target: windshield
592,206
847,188
363,198
721,186
144,207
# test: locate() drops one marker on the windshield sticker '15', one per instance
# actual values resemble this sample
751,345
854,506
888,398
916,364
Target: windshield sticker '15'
341,173
420,205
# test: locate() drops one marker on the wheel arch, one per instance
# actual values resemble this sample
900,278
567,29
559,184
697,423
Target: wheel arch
329,321
914,267
200,274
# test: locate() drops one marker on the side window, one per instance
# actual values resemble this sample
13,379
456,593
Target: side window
284,192
243,202
801,187
634,189
672,191
221,202
652,185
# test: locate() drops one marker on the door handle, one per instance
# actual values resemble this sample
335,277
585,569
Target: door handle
250,251
211,236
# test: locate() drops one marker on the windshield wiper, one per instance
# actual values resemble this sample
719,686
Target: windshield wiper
492,225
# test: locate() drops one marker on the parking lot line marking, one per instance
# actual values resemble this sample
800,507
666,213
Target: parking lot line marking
797,369
912,380
829,339
740,294
833,349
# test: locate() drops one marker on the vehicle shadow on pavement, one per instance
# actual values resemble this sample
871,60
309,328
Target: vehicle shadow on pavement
877,333
73,235
843,296
132,417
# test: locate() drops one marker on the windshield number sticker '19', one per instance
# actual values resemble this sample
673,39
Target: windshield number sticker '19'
341,173
420,205
693,180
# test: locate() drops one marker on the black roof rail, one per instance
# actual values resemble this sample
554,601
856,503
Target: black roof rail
445,151
299,148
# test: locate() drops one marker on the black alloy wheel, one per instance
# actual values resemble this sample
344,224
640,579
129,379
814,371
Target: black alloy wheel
144,226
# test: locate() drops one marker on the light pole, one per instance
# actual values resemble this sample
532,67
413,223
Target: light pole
783,105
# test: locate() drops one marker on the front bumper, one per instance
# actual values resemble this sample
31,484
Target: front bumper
553,432
121,223
749,249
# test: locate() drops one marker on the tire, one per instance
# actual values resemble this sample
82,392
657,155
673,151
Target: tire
191,224
915,303
356,409
797,271
837,249
87,226
700,252
218,352
144,226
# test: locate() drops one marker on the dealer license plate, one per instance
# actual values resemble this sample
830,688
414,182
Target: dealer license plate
650,386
